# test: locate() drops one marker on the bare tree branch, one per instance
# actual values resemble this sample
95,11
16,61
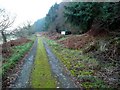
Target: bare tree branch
6,22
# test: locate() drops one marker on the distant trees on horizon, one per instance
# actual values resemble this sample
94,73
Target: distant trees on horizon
80,17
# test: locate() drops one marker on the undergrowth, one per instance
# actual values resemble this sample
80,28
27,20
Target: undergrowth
83,67
18,53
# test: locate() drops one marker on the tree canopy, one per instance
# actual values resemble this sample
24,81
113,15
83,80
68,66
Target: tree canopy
80,17
83,14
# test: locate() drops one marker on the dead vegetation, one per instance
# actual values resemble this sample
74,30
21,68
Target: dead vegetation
77,42
105,49
5,49
13,59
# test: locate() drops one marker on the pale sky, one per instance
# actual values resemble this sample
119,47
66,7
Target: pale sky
27,10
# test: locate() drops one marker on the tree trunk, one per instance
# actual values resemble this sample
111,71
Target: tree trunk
5,47
4,37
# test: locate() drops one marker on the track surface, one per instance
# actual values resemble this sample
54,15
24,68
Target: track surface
57,68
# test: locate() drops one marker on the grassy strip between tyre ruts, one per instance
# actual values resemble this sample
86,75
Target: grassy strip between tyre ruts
41,76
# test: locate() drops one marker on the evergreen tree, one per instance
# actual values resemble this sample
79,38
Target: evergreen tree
51,16
82,14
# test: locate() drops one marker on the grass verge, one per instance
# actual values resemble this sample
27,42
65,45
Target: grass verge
18,54
41,76
83,67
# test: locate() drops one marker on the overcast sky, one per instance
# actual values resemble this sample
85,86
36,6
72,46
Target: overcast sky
27,10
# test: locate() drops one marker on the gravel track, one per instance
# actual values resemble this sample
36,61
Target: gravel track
58,69
24,76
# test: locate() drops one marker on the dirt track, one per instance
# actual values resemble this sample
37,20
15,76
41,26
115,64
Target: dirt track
23,79
59,71
57,68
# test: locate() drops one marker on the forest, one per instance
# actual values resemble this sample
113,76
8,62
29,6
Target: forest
82,16
76,45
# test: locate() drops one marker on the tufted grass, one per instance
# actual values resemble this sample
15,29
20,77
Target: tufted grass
83,67
18,54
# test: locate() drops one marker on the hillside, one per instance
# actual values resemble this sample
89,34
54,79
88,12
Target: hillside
39,24
101,57
76,45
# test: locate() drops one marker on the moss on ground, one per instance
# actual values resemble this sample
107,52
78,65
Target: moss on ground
41,76
81,66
